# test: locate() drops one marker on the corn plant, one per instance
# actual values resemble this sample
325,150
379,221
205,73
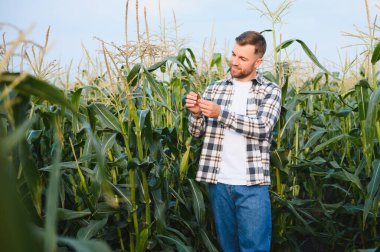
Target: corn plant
108,164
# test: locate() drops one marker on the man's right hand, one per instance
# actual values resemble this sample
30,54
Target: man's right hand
192,104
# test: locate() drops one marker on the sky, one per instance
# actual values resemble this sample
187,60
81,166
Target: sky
73,23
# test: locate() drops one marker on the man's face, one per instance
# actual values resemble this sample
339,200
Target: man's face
244,62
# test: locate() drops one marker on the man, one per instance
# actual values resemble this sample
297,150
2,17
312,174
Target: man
236,116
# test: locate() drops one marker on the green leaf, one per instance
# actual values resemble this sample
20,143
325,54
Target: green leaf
314,137
91,229
376,54
100,185
145,125
269,76
84,245
3,127
50,238
75,100
362,98
292,208
328,142
143,238
70,165
33,136
181,57
372,190
181,247
318,92
185,159
22,154
198,202
160,209
133,75
216,60
31,175
206,240
108,141
338,187
123,196
367,250
177,62
177,196
67,214
32,86
106,117
177,233
157,65
308,52
353,179
154,85
15,217
18,135
292,118
370,123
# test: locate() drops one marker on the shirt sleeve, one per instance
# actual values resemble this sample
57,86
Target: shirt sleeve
260,126
197,126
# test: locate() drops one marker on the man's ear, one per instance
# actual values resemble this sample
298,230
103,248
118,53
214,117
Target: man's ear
258,62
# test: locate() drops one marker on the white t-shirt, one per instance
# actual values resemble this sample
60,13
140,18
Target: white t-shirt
233,168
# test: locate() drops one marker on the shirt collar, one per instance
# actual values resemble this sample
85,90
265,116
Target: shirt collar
257,80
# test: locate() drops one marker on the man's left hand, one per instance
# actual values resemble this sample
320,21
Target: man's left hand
209,108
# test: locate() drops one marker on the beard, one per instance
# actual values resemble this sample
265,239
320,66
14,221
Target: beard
239,73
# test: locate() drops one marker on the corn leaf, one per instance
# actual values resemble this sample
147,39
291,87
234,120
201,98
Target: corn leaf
353,179
314,137
370,120
362,98
145,125
143,238
198,202
210,247
328,142
108,141
372,190
292,117
154,85
14,216
32,86
185,160
308,52
291,207
50,238
67,214
106,118
91,229
84,245
18,135
181,247
376,54
134,75
125,198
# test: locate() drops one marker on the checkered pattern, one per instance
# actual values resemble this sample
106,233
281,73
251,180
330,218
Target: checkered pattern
263,110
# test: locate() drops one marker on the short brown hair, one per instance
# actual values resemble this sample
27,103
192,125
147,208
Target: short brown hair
253,38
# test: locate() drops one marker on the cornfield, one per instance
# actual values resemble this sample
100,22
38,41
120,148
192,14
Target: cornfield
107,164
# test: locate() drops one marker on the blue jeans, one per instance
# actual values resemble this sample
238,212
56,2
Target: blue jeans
242,216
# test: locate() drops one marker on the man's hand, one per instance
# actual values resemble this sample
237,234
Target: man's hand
209,108
192,104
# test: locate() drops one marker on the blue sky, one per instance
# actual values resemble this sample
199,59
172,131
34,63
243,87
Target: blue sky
75,22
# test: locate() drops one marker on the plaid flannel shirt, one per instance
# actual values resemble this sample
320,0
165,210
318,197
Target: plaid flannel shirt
263,110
